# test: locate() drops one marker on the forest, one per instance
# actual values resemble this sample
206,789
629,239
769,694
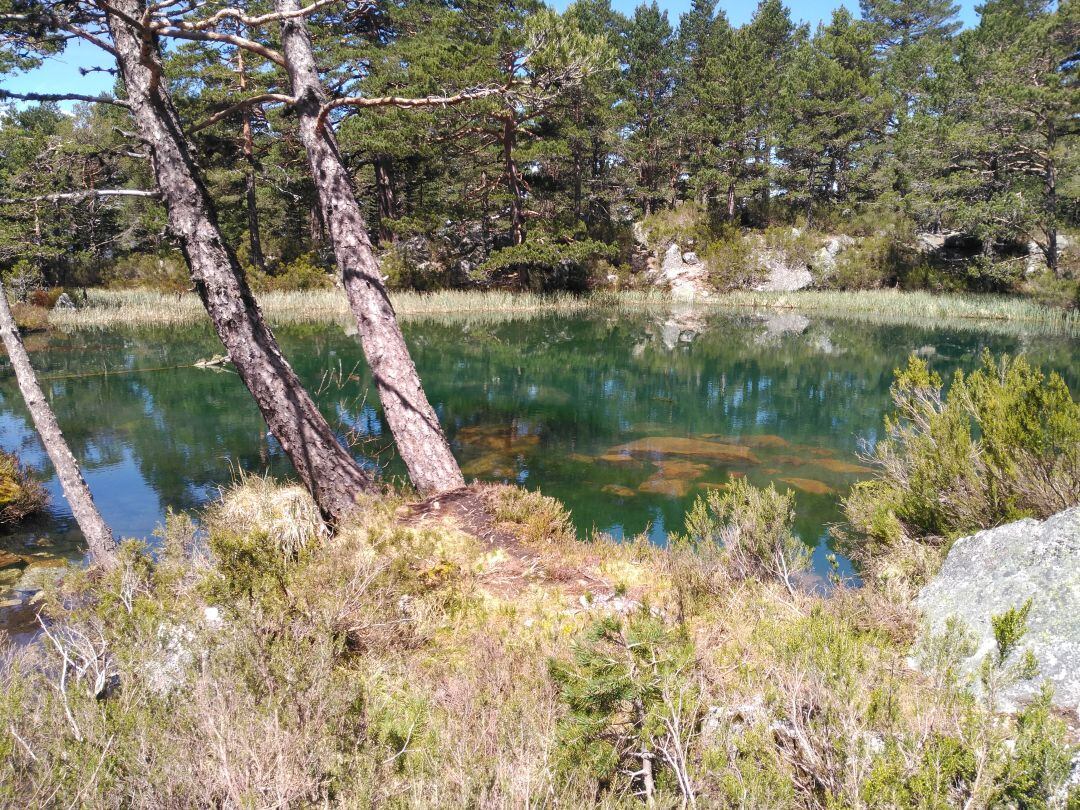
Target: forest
481,404
504,144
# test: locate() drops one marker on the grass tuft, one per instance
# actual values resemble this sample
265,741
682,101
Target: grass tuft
105,309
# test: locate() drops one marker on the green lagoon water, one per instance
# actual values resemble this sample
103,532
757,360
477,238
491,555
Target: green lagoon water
619,416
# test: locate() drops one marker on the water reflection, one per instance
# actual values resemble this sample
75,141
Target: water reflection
625,418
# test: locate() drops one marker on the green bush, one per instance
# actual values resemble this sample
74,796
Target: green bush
751,527
542,266
729,257
872,262
630,695
797,246
20,495
305,272
1003,444
687,224
22,279
165,272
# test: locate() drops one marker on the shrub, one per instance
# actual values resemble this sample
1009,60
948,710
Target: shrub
752,529
543,266
22,280
305,272
535,518
632,706
797,246
20,495
46,299
730,259
687,224
165,272
1003,444
872,262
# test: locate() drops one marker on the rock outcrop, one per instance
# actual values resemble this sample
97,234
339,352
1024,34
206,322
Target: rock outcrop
987,573
683,273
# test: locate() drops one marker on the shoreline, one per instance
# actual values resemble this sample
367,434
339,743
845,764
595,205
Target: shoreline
107,309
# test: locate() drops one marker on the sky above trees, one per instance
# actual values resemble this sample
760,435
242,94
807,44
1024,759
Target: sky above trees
62,74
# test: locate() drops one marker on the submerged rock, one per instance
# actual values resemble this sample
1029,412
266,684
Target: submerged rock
994,570
809,485
657,446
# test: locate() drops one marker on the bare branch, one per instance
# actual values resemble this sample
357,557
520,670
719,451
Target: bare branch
407,103
75,196
237,14
182,31
91,38
4,94
265,98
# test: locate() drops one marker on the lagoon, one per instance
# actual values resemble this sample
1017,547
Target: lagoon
625,417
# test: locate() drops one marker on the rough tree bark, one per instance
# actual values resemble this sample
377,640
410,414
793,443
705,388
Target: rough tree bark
384,186
326,468
412,420
513,182
99,536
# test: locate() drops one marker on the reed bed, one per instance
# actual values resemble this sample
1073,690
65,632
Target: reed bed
107,309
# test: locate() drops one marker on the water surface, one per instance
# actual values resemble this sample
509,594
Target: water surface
625,418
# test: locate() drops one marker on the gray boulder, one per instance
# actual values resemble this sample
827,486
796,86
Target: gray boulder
64,302
997,569
684,274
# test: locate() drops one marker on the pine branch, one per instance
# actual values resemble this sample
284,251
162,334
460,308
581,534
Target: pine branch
6,94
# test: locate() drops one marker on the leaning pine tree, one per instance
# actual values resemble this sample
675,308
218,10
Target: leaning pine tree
99,536
125,30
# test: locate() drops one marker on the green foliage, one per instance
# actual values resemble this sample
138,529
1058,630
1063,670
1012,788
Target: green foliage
22,280
305,272
1040,763
752,526
20,494
536,518
253,660
164,272
1009,628
1003,444
629,692
872,262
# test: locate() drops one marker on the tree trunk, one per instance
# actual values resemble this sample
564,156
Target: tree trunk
513,182
247,145
412,420
384,186
1050,180
97,533
327,469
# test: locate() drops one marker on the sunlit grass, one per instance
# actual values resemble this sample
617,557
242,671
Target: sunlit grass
135,308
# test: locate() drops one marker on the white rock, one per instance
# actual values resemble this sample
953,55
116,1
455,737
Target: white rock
989,572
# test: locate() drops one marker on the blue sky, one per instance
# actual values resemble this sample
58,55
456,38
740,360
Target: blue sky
61,73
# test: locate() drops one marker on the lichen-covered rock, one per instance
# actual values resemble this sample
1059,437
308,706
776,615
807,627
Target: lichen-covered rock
989,572
684,274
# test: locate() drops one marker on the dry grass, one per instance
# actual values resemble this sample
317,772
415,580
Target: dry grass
389,666
135,308
20,494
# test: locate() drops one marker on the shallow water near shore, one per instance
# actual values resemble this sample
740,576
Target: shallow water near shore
625,418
